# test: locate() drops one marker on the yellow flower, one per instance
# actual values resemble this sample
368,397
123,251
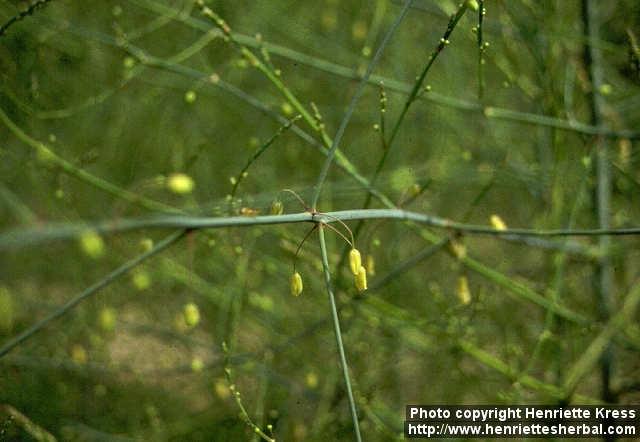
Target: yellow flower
92,244
463,292
296,284
361,279
355,261
497,222
191,315
180,183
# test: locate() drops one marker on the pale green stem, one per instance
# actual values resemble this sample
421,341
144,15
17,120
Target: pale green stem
57,231
336,327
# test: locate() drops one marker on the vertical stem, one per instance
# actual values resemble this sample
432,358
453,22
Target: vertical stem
481,48
336,327
602,194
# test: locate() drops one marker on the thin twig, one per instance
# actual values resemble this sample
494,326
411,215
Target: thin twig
242,174
22,15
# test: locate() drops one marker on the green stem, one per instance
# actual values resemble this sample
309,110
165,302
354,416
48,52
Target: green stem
481,49
413,95
10,416
259,152
528,381
336,327
244,415
602,192
22,15
59,231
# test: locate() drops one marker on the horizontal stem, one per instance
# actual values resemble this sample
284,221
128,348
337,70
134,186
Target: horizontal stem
54,231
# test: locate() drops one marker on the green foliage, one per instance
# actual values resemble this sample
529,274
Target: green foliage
159,140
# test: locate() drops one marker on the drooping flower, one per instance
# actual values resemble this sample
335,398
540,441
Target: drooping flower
361,279
355,261
296,284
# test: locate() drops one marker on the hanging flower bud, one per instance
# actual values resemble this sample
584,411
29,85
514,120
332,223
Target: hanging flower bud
361,279
355,261
296,284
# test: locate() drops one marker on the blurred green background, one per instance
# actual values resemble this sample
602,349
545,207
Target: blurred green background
136,91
